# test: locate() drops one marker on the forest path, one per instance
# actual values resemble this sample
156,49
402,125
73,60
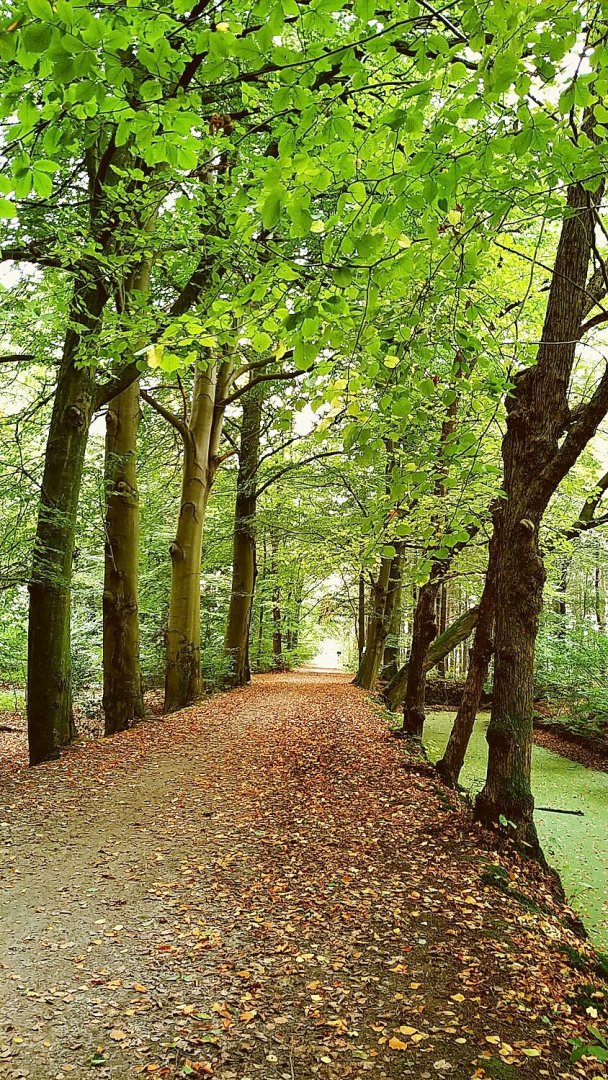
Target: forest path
260,886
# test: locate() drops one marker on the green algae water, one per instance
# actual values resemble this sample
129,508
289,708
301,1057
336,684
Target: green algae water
576,846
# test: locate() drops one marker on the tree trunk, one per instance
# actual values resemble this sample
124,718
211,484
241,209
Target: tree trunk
423,632
600,599
451,763
377,629
122,690
391,647
277,627
442,619
200,437
361,616
535,461
49,685
442,646
236,639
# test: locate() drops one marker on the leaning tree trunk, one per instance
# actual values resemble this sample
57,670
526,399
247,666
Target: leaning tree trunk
361,616
49,684
423,633
122,690
277,617
450,765
377,629
183,663
392,614
236,639
442,619
442,646
535,461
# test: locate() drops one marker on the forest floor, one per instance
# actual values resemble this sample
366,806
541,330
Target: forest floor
265,885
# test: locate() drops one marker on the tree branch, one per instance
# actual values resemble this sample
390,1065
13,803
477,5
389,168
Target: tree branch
269,377
166,414
294,465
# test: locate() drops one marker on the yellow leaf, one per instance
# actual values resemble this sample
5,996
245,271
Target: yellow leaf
419,1037
391,361
494,1039
247,1016
141,989
223,27
457,997
405,1030
396,1044
404,241
531,1052
454,217
317,227
118,1035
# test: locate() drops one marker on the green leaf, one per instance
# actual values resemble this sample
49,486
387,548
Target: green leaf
7,209
271,210
41,9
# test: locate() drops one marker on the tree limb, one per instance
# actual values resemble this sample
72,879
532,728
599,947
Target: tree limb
166,414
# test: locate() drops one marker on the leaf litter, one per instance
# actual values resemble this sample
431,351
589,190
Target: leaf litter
261,886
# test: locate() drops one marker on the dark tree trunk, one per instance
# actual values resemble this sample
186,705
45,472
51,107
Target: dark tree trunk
361,616
442,646
451,763
49,685
391,647
376,630
122,690
442,619
535,461
277,621
424,631
600,600
236,639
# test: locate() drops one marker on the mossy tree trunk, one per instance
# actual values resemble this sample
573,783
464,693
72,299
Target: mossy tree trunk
423,633
390,657
201,436
450,765
49,685
122,685
542,442
277,620
361,616
236,639
442,646
376,628
122,688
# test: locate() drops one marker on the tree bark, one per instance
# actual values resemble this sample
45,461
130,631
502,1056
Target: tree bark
535,461
376,630
450,765
200,438
122,689
442,646
49,684
277,625
424,631
361,616
236,639
390,659
442,620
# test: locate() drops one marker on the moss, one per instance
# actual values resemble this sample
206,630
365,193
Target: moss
445,801
499,1070
497,878
575,958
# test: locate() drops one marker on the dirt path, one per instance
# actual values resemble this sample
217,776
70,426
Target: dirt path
260,887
